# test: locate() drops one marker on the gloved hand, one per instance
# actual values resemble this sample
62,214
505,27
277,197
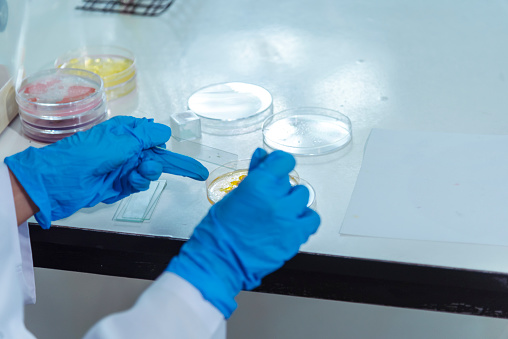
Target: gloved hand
104,164
250,233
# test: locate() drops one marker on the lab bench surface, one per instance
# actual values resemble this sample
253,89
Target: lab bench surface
391,64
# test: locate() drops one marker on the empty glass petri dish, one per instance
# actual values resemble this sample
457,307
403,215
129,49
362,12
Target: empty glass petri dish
115,65
307,131
231,108
226,178
57,103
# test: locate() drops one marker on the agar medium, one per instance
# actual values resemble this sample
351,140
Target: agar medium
115,65
227,177
231,108
307,131
57,103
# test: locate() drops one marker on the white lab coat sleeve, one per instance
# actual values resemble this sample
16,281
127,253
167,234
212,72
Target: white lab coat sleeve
16,270
170,308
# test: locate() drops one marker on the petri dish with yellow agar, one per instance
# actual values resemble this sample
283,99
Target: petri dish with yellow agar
115,65
226,178
307,131
57,103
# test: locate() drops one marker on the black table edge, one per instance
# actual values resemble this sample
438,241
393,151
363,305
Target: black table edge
311,275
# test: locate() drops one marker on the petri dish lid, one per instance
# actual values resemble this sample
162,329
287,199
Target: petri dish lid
115,65
307,131
60,94
231,108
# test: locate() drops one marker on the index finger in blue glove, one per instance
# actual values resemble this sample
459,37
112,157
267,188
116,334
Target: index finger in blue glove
151,134
150,169
301,230
278,163
122,120
257,157
309,221
138,182
178,164
127,120
294,204
146,172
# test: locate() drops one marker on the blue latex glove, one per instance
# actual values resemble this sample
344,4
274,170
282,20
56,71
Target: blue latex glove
250,233
104,164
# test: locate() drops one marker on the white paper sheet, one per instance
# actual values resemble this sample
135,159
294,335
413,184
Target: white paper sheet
432,186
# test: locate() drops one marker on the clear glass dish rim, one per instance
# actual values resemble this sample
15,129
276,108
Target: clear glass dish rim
214,120
85,51
22,102
48,131
310,110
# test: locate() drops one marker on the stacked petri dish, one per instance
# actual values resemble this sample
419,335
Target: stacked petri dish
115,65
57,103
231,108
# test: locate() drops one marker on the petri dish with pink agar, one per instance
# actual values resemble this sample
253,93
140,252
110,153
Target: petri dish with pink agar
227,177
57,103
115,65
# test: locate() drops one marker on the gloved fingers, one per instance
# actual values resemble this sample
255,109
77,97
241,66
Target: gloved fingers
257,157
138,182
130,135
295,203
118,154
178,164
312,218
150,169
146,172
278,164
309,221
151,134
298,232
264,185
126,120
122,120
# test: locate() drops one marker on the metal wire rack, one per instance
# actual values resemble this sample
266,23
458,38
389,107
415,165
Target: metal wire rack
133,7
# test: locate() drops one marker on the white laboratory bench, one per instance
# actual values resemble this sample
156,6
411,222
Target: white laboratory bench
419,65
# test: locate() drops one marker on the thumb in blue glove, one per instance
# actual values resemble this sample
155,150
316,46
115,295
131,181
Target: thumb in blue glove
104,164
250,233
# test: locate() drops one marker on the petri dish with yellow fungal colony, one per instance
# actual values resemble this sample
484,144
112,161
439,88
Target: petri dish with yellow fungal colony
115,65
227,177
